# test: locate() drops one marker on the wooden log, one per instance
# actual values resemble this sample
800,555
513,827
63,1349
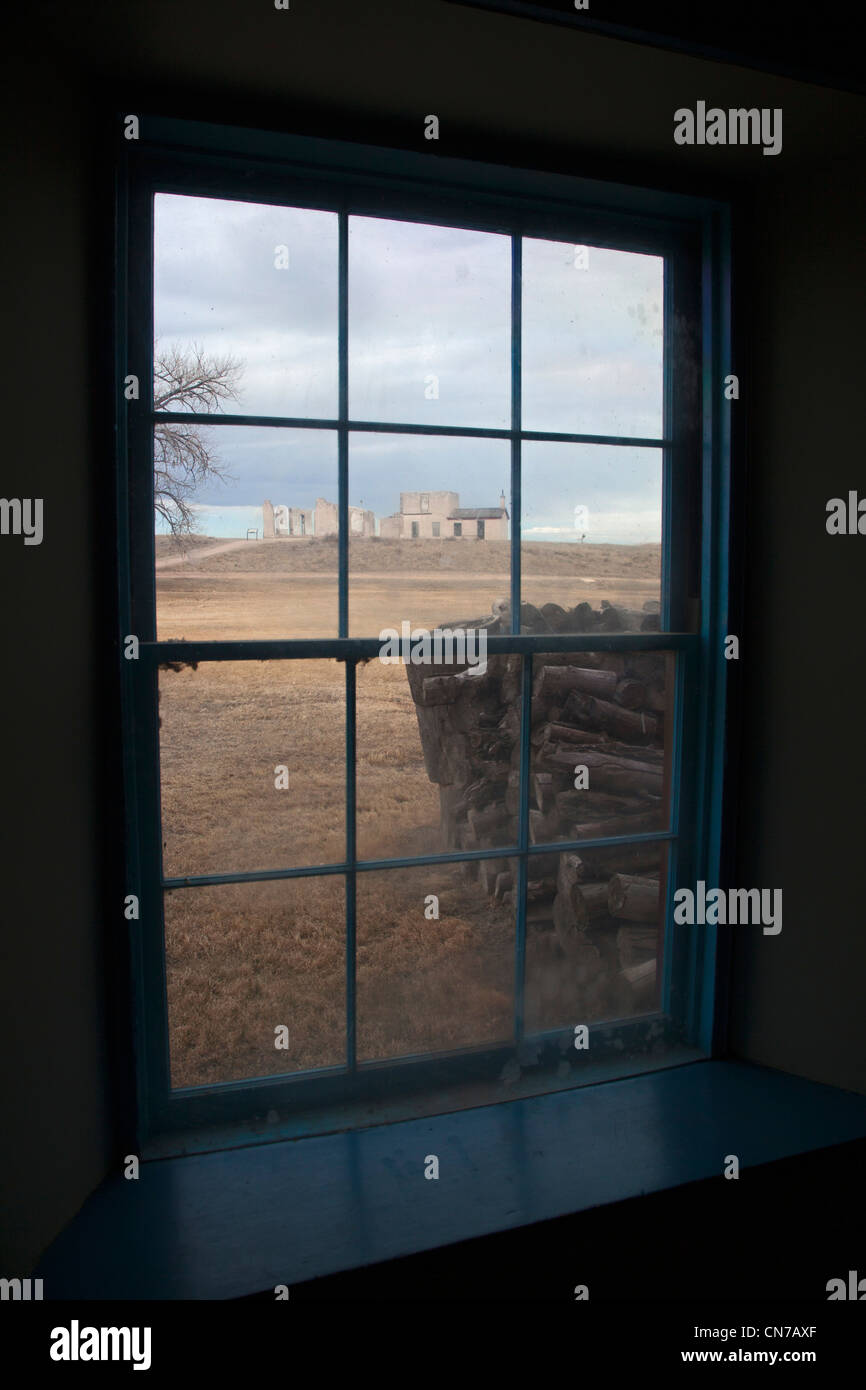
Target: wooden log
615,618
491,822
588,660
544,791
567,918
628,753
557,682
575,806
606,860
618,825
606,773
445,689
633,898
636,944
583,618
646,666
541,866
538,888
451,807
466,837
589,712
451,760
511,679
542,712
509,724
630,693
567,733
644,973
542,828
656,698
570,909
557,617
504,884
578,906
595,897
488,872
568,875
612,661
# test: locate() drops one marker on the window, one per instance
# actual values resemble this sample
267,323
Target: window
363,877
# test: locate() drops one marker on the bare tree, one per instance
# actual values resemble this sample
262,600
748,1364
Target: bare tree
184,460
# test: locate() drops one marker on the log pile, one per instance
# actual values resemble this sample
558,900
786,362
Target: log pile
597,769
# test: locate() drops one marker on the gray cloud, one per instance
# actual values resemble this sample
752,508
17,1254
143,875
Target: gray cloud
424,301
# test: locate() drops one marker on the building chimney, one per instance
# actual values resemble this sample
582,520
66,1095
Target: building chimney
502,501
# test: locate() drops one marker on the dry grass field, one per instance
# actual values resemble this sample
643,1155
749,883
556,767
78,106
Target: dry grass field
245,958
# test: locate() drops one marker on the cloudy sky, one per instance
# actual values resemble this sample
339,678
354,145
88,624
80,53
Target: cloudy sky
429,321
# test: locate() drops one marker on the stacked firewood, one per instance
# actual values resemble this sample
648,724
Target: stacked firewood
597,769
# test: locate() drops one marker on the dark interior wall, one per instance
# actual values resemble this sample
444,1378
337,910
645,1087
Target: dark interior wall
502,88
798,997
55,1143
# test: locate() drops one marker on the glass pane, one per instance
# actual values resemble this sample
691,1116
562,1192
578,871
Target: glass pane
251,761
592,340
594,933
590,547
429,543
246,532
438,757
244,960
249,292
429,324
435,960
600,760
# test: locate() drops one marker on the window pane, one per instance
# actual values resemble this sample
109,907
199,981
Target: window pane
592,340
600,762
594,933
399,570
251,761
429,324
251,283
261,559
591,536
244,959
429,983
438,758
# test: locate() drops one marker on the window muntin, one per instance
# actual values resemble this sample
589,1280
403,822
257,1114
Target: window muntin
672,588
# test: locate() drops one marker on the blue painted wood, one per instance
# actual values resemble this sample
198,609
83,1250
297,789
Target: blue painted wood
343,161
300,422
213,161
221,1225
356,648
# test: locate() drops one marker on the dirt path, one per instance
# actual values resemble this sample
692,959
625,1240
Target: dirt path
201,553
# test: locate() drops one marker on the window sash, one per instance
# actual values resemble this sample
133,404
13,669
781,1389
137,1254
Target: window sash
693,829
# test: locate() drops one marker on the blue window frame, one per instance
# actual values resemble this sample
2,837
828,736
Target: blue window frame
692,236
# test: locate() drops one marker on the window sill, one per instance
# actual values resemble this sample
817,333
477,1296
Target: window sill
227,1224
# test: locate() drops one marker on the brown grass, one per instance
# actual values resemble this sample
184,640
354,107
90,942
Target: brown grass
243,959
